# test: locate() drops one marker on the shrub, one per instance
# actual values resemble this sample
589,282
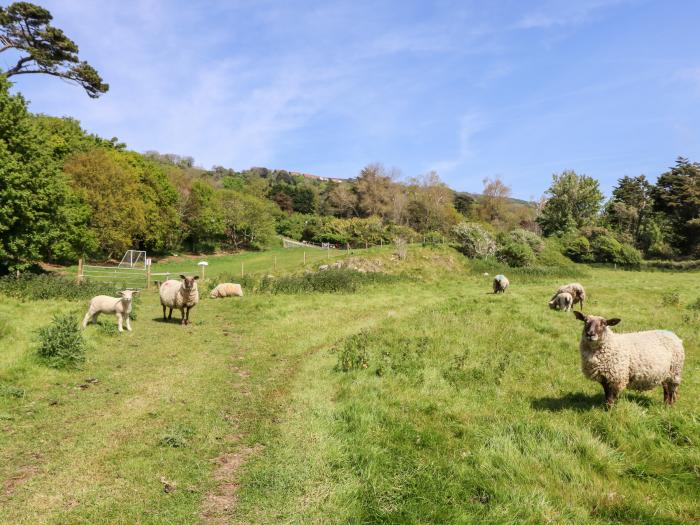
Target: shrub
474,240
607,249
353,353
516,254
534,241
61,343
433,238
342,280
672,298
579,250
47,286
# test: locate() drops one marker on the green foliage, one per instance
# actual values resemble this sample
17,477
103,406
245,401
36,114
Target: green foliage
579,249
516,254
61,343
672,298
340,280
26,29
473,240
247,221
677,195
177,436
607,249
34,287
574,201
533,240
352,354
677,266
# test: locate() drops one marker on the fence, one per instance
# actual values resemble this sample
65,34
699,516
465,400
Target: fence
120,276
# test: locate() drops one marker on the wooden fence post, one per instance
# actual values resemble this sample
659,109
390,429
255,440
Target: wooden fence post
274,265
242,271
304,257
148,275
79,279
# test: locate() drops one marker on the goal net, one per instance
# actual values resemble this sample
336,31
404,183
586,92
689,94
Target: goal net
133,259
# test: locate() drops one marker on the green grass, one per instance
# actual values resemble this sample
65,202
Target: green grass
461,407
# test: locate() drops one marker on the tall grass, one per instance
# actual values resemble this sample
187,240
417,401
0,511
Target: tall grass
31,287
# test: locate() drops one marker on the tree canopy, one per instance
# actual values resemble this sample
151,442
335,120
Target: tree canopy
26,29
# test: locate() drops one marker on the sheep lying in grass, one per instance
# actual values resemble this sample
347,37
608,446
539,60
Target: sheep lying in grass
576,291
227,290
563,301
104,304
500,284
638,360
181,295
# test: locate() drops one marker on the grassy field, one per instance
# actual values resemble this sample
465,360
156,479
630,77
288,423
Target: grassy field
422,400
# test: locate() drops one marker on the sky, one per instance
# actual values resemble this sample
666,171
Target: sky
512,89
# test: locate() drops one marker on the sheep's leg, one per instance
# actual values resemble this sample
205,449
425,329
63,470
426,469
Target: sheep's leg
86,319
610,394
182,313
170,314
164,317
119,322
128,322
670,393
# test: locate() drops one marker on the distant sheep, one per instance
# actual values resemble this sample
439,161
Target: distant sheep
576,291
500,284
227,290
638,360
104,304
563,301
180,295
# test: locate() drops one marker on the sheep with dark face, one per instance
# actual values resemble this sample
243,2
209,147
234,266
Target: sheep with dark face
500,284
638,360
180,295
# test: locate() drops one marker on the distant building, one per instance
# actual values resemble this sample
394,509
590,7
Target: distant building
317,177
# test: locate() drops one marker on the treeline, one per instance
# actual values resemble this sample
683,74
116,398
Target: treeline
65,193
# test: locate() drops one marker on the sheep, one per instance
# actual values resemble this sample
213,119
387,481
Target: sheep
181,295
104,304
576,291
563,301
500,283
227,290
638,360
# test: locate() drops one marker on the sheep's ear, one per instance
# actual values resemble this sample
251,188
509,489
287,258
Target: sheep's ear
580,316
612,322
182,277
120,294
134,292
196,277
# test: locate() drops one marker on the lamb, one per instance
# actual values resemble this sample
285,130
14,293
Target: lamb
104,304
563,301
500,283
182,295
576,291
638,360
227,290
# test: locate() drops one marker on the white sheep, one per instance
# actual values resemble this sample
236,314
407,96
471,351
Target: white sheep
104,304
638,360
575,289
562,301
181,295
227,290
500,284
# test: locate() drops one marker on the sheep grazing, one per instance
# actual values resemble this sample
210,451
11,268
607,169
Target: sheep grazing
104,304
500,284
180,295
576,291
563,301
638,360
227,290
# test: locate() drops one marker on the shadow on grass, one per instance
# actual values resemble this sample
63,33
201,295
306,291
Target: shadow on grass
580,402
171,321
577,401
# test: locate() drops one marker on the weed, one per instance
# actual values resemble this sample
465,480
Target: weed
353,354
61,343
30,287
672,298
11,391
177,436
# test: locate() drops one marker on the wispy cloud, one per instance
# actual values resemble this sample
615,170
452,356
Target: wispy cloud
469,125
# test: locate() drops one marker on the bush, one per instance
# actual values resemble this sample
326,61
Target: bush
61,343
516,254
579,250
342,280
677,266
607,249
353,353
534,241
47,286
474,240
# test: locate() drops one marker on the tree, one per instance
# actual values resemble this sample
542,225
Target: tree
374,191
39,218
574,202
677,195
464,203
630,206
25,28
430,208
107,182
494,199
248,222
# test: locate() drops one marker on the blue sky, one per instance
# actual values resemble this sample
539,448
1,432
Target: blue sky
513,89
